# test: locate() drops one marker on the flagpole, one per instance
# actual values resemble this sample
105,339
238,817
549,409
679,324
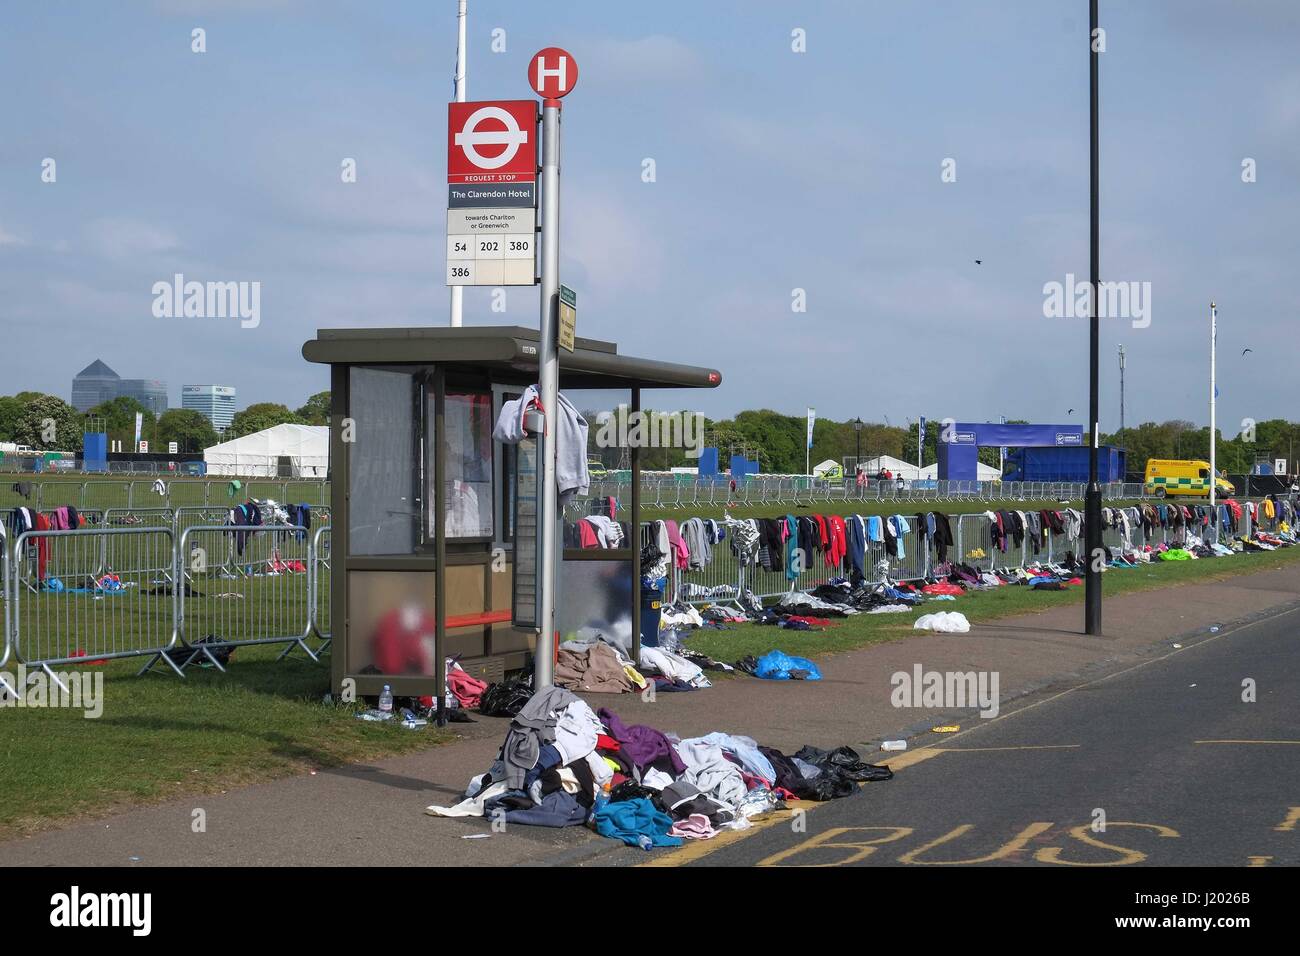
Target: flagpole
458,292
1214,335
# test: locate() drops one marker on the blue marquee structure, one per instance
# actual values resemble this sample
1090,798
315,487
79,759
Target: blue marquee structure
959,443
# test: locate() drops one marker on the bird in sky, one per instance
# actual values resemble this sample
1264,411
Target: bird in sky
1070,412
979,262
1244,351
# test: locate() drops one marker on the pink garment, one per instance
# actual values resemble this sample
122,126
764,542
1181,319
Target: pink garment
468,689
694,827
59,520
681,553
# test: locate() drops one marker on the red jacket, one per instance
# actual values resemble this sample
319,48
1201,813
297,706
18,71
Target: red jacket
839,544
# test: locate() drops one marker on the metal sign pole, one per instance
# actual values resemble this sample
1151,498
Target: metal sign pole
1092,499
549,386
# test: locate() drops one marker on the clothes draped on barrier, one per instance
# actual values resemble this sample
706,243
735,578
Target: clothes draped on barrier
793,544
300,515
596,531
688,546
23,519
247,515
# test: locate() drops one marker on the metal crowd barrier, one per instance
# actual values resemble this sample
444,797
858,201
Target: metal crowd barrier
720,581
972,545
318,585
243,586
6,636
83,596
684,494
150,591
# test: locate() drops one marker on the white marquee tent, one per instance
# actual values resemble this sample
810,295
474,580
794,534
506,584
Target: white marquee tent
983,472
895,466
293,451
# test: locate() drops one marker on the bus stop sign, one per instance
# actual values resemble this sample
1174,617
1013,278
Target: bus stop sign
552,73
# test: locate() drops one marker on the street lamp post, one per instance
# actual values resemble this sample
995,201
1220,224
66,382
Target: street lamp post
857,446
1121,388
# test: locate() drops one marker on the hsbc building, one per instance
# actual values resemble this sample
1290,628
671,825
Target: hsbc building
216,403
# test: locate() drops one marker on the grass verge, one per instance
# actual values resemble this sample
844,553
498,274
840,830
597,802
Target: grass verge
161,737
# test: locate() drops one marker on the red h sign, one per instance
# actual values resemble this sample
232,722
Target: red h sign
552,73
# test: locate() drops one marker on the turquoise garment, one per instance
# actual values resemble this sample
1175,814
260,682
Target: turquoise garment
898,524
630,820
875,528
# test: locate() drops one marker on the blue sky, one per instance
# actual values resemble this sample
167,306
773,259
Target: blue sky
775,171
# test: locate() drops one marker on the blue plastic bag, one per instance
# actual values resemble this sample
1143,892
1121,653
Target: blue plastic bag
777,665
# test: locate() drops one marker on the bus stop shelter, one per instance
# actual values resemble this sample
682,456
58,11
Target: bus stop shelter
428,519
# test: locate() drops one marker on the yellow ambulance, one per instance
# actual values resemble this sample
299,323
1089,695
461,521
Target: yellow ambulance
1169,477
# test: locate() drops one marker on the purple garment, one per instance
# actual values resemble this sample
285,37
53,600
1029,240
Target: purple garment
643,745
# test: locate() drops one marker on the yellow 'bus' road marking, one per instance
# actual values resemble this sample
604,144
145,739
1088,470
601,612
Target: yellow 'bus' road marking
1015,845
827,839
1288,825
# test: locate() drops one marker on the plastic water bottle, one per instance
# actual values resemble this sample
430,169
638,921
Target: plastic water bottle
386,700
645,842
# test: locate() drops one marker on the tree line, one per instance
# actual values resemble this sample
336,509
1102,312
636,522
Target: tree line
48,423
777,442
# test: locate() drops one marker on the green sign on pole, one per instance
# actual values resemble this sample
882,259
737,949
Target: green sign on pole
568,317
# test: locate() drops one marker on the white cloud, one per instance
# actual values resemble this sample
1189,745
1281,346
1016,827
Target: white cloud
610,241
9,239
125,239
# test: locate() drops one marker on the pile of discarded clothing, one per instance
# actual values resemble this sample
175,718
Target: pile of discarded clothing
561,765
592,662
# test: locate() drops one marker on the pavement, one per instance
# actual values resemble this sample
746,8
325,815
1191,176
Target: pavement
373,814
